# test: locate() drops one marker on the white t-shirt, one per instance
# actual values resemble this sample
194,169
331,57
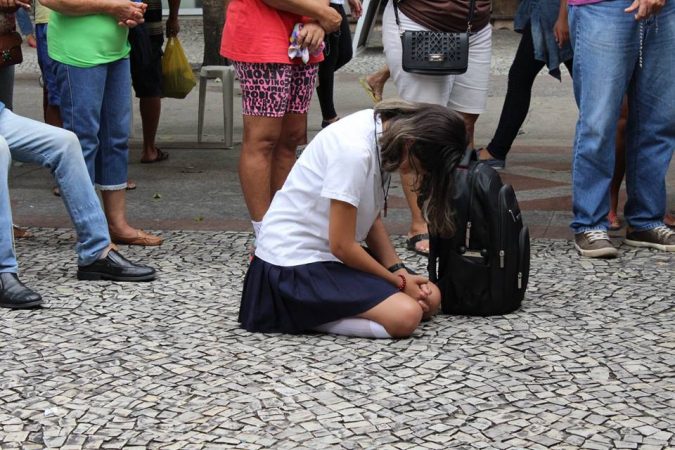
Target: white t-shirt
340,163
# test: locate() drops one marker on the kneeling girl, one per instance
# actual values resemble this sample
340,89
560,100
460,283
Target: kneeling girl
310,271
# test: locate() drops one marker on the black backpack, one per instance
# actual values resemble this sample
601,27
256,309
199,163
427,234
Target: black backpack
483,269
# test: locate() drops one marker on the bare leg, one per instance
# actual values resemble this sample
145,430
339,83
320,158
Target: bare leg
293,134
469,123
400,315
619,168
115,207
151,109
377,80
261,136
417,224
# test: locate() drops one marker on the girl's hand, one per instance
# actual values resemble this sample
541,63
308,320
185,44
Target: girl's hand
415,285
311,36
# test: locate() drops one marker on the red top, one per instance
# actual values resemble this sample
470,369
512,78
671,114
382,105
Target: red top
257,33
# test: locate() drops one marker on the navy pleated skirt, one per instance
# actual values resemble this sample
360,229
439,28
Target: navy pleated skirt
296,299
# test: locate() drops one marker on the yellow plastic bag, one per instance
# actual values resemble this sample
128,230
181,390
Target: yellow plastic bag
178,79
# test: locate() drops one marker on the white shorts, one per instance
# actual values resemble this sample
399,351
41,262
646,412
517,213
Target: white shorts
466,93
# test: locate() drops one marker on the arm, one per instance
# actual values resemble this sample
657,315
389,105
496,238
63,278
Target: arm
328,18
124,11
380,245
561,28
172,25
341,232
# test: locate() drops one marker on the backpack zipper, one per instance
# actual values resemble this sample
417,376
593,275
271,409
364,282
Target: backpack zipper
467,235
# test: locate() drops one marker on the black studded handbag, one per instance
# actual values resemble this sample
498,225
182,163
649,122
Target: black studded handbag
435,52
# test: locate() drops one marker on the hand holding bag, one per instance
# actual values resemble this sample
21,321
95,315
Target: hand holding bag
435,52
10,49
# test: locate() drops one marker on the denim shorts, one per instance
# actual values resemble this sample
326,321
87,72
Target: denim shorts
47,65
272,89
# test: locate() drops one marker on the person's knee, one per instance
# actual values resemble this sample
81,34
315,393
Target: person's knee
434,301
66,144
294,137
260,144
406,320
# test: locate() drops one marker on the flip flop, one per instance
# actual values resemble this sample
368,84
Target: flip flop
161,156
411,243
369,90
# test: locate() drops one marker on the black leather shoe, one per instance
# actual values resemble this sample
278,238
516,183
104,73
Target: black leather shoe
115,267
14,294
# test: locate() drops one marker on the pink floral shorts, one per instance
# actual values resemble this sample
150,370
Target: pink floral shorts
272,89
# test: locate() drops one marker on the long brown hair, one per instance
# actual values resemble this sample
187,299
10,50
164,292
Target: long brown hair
435,140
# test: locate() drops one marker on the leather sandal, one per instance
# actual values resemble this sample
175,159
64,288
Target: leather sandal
141,238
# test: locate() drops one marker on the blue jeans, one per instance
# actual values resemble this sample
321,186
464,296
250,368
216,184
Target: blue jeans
96,106
47,65
607,57
29,141
23,19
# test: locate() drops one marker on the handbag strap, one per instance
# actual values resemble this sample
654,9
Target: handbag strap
469,18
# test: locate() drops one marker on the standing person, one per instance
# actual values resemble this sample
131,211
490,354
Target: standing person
146,71
338,52
276,90
58,150
88,41
622,48
544,41
466,93
50,92
310,271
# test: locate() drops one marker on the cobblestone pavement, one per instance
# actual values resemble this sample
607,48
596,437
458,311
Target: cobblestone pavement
586,363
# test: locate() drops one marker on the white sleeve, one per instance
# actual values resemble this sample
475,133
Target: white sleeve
346,175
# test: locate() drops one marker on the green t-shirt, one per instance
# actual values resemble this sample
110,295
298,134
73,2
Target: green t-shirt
86,41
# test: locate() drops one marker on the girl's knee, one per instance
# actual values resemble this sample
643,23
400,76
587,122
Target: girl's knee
406,320
5,155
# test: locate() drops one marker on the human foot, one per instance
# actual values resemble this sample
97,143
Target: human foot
418,243
150,157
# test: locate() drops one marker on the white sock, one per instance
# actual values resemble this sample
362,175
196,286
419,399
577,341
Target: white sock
256,227
354,326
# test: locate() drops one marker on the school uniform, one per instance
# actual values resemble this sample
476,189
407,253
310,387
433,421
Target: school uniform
294,282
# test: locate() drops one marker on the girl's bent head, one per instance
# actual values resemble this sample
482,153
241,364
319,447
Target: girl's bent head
432,140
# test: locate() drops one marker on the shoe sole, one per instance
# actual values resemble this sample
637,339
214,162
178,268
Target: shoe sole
23,305
97,276
599,253
662,247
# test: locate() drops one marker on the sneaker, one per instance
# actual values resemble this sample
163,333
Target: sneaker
661,238
595,244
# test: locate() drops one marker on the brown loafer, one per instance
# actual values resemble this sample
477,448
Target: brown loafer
141,238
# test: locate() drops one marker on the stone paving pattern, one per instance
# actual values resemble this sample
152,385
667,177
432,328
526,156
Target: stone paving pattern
586,363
